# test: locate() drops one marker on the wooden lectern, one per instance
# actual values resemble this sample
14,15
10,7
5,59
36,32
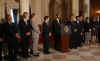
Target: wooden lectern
65,36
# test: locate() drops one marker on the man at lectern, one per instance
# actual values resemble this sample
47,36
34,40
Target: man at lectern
57,32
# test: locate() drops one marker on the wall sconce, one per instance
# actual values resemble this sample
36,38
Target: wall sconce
98,12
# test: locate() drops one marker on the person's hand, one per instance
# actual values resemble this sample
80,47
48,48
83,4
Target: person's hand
75,30
18,36
28,33
94,29
40,27
90,30
81,33
50,34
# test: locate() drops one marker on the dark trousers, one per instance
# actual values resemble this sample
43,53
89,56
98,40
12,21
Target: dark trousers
12,52
46,43
75,40
12,49
82,38
1,49
74,44
57,42
98,37
25,45
0,52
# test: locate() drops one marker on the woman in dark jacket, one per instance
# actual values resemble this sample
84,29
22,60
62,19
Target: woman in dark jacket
88,29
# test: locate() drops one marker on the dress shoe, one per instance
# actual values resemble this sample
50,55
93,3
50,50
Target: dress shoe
47,52
36,54
6,57
26,56
0,58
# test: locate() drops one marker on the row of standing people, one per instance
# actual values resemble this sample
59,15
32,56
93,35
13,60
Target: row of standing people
15,34
30,28
19,35
83,32
10,35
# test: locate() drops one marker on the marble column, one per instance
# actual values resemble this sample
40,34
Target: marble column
75,7
68,8
2,10
86,8
45,8
36,7
24,6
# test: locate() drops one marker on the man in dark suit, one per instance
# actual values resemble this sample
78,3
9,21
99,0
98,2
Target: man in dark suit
87,30
45,34
25,31
95,29
11,36
1,40
75,35
57,33
98,18
82,33
98,27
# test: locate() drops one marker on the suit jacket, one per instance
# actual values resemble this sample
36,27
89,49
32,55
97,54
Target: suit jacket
95,25
1,31
87,26
75,25
45,31
56,27
81,24
10,34
75,36
24,28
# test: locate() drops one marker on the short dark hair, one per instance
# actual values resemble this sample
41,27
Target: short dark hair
46,17
33,14
8,15
77,17
57,15
87,18
25,13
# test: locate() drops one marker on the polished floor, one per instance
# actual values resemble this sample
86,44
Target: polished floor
85,53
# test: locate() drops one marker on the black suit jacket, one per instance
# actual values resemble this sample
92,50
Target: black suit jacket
24,28
45,31
87,26
1,31
75,36
56,27
10,34
11,30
